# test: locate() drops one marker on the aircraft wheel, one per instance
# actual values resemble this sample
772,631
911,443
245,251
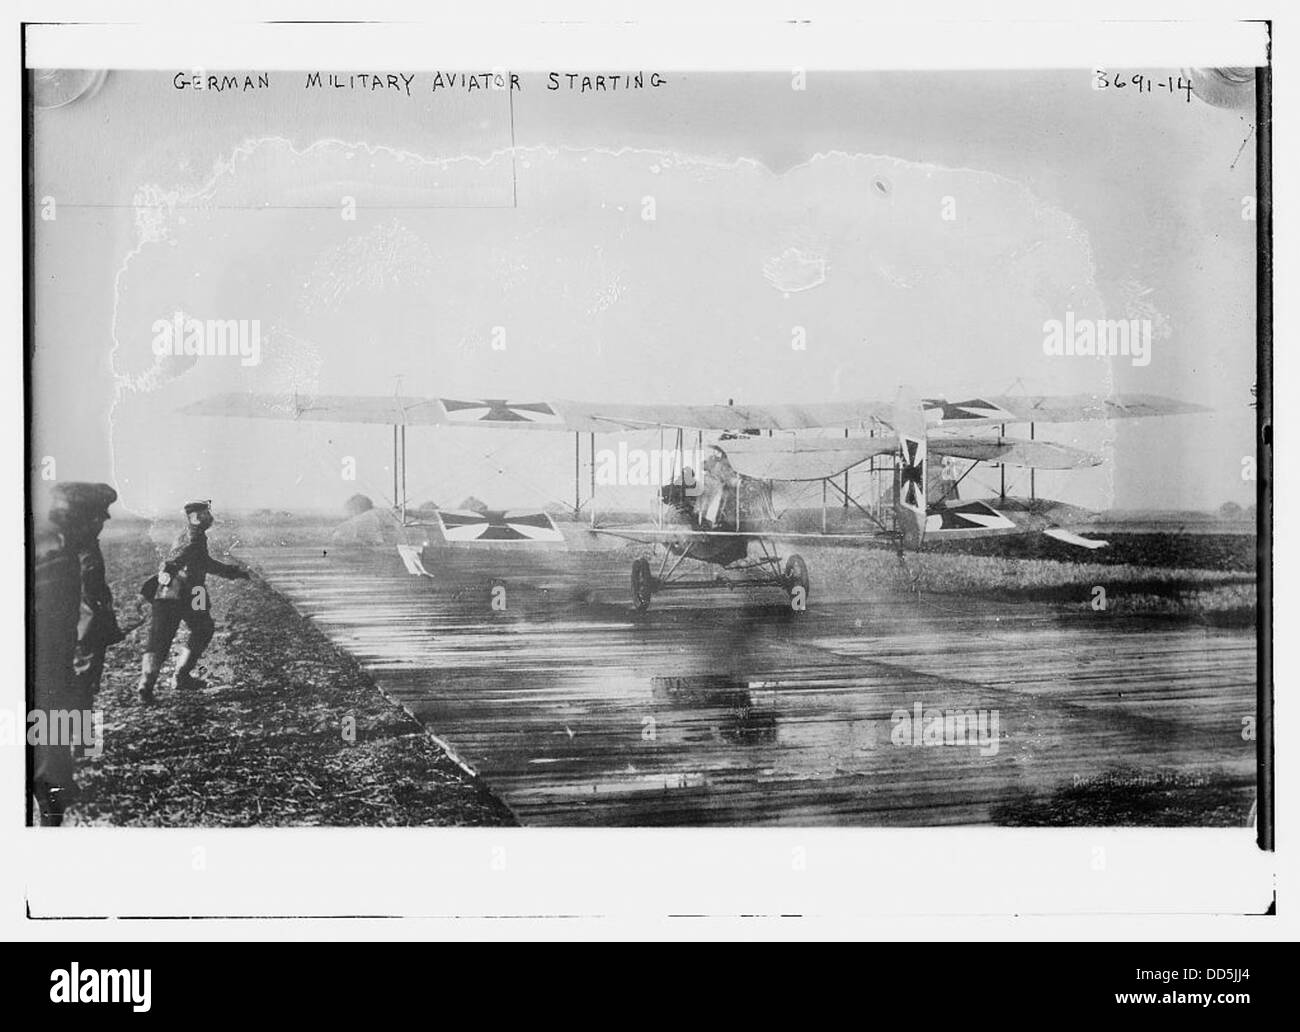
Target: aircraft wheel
796,583
642,584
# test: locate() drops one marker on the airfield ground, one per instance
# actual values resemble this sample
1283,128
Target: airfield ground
1131,715
290,730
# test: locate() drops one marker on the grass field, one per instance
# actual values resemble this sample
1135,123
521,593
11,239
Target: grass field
289,731
1225,598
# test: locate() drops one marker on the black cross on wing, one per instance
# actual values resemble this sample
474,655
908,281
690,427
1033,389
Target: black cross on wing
498,410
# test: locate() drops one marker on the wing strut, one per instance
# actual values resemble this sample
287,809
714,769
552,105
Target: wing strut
846,472
1032,496
849,498
1002,468
660,508
395,466
952,488
399,470
577,471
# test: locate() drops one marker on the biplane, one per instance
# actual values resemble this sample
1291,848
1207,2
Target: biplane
722,518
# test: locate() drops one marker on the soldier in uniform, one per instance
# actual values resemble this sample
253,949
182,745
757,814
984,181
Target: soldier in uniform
179,595
74,625
97,629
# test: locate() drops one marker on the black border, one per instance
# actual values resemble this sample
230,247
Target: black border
29,318
1264,450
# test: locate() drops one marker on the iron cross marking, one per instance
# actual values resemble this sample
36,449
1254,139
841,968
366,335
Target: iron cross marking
500,410
913,473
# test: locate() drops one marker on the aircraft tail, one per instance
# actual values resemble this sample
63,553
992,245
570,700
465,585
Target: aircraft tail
910,473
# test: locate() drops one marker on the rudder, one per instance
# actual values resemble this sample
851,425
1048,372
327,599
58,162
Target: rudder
910,470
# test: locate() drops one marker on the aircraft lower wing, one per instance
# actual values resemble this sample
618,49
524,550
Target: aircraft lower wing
979,518
795,459
412,561
1069,538
1012,451
968,519
581,416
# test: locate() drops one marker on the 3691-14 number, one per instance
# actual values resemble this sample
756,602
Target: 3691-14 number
1171,84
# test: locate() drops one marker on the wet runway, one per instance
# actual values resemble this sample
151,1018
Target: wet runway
723,708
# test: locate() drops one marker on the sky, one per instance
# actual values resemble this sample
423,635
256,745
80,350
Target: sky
663,244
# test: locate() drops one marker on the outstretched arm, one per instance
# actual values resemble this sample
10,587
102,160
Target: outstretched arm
226,570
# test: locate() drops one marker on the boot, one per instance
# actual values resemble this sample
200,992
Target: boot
148,677
51,802
185,679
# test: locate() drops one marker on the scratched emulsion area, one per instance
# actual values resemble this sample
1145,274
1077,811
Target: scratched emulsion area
631,274
723,708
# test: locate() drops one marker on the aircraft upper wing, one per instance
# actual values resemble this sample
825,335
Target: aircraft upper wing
511,414
584,416
1049,408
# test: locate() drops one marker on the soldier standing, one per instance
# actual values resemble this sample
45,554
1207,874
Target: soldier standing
74,624
181,596
97,628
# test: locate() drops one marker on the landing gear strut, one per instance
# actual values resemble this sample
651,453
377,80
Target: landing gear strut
765,569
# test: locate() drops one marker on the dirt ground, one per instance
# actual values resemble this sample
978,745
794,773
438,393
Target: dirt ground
289,730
